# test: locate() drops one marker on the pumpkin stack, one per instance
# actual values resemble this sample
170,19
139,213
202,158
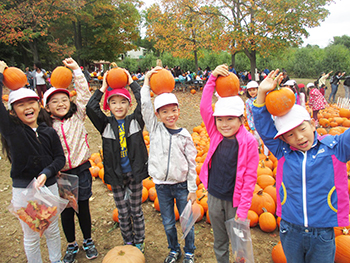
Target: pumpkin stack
162,81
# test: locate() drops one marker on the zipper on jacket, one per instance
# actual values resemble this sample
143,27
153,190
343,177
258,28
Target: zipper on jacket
37,136
306,223
66,143
167,170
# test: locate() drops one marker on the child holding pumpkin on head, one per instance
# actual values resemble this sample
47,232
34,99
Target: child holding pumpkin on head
34,151
68,120
171,164
124,151
230,170
311,179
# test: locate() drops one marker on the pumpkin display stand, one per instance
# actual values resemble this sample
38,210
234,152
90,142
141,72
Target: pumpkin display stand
124,254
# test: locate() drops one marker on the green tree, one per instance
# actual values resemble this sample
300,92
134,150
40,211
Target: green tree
343,40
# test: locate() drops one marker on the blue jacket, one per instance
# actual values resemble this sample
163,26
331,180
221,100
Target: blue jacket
312,186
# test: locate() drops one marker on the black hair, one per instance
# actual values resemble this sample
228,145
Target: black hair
72,109
247,94
302,90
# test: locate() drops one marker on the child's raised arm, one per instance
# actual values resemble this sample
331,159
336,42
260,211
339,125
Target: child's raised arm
269,83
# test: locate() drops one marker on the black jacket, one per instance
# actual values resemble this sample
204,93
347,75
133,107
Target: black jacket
32,153
108,128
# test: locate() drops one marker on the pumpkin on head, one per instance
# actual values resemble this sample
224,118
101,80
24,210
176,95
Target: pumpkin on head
117,78
61,77
162,81
14,78
227,86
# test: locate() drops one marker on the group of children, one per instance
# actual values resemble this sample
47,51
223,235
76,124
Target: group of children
311,180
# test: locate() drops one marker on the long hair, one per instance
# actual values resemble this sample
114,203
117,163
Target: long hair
42,117
72,109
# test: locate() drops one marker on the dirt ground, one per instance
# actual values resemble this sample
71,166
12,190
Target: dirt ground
102,205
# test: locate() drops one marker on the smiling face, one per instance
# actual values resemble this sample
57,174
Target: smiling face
228,126
27,110
58,105
301,137
169,114
253,92
119,106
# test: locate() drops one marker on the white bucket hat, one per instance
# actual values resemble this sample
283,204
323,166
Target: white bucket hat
229,106
165,99
292,119
290,82
252,84
310,84
19,94
52,91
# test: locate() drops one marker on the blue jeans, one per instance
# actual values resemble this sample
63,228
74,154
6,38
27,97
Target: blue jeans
333,92
307,244
166,194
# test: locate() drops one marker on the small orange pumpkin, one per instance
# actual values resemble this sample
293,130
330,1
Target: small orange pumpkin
5,97
117,78
61,77
115,215
227,86
144,194
162,82
267,222
193,91
278,254
14,78
262,200
125,254
253,218
279,101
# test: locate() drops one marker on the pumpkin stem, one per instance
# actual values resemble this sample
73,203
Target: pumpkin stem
159,63
114,65
264,209
121,253
260,192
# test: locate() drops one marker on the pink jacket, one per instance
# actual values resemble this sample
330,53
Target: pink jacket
248,156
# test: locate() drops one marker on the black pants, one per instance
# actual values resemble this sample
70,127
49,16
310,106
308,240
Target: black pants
67,219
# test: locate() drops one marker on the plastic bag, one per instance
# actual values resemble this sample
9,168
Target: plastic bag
38,207
188,217
241,242
68,187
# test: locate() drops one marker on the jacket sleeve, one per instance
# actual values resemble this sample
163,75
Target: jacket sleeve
135,87
266,128
205,106
83,92
94,112
249,178
191,153
59,159
5,121
147,109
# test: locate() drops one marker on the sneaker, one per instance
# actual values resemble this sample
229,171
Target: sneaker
71,252
141,246
173,257
189,258
90,250
128,243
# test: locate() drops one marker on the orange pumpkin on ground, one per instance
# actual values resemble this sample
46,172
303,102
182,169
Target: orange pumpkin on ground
253,218
342,251
262,200
267,222
14,78
193,91
5,97
271,190
279,101
144,194
117,78
156,204
115,215
152,193
148,182
227,86
61,77
278,254
125,254
265,180
94,170
197,208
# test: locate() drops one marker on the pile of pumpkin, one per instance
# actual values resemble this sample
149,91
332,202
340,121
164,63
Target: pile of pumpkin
333,120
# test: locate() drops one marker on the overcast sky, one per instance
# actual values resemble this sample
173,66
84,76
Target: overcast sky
336,24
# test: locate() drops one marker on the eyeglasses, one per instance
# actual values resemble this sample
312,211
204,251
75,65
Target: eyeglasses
57,101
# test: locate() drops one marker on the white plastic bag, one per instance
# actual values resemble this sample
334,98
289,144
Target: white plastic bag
39,207
241,242
68,187
188,217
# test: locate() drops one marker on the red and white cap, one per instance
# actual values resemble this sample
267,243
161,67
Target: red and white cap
113,92
19,94
52,91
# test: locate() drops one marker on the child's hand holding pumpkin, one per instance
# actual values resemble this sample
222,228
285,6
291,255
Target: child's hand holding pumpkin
268,84
70,63
221,70
3,65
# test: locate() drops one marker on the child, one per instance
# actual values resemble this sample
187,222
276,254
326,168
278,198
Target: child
124,155
230,170
311,179
68,121
251,92
292,84
171,164
317,101
302,94
335,81
35,151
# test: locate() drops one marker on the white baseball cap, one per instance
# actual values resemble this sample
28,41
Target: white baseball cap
310,84
19,94
52,91
290,82
229,106
252,84
292,119
165,99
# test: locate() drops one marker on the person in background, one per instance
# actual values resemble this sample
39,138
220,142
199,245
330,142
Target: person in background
302,94
39,79
335,81
317,101
323,78
29,79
